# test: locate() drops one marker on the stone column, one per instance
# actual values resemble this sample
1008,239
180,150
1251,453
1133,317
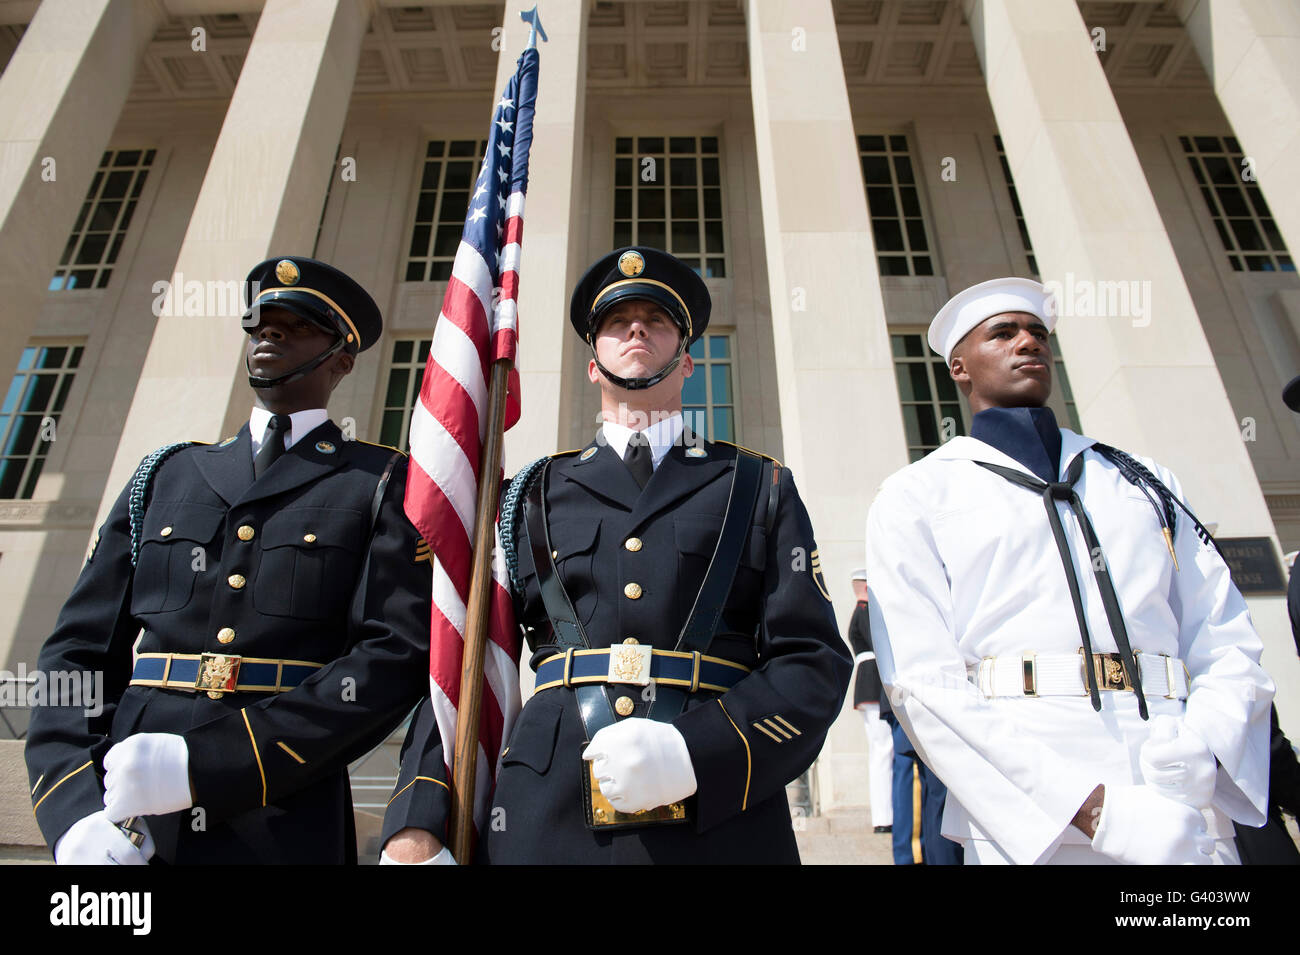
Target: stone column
554,242
261,196
840,420
1141,370
60,97
1250,49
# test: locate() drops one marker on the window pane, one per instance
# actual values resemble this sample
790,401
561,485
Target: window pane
398,379
681,144
459,175
650,202
911,205
429,180
875,170
913,385
889,235
912,423
715,268
623,144
116,185
1232,201
944,384
709,172
713,236
652,234
622,203
683,172
892,265
1220,170
1248,237
390,432
92,248
722,425
922,265
685,204
686,237
903,168
11,472
420,240
448,239
880,200
402,351
622,234
720,384
916,235
693,388
650,144
623,172
454,207
461,147
713,203
719,346
871,143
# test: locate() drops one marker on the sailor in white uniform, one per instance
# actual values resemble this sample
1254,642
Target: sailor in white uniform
1062,640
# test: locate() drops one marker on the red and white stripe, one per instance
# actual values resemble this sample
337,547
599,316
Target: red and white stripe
446,442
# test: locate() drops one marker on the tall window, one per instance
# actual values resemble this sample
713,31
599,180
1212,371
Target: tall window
102,223
1015,206
446,181
405,372
30,413
668,195
933,410
708,396
1240,214
902,247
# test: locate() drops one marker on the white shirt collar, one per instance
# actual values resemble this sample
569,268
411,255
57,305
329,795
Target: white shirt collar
663,434
302,424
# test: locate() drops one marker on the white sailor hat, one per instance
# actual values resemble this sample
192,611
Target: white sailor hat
971,306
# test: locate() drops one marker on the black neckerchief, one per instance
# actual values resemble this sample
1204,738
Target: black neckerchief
1028,435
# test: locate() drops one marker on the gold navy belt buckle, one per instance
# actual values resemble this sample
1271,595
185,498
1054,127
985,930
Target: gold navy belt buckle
630,663
218,673
1110,672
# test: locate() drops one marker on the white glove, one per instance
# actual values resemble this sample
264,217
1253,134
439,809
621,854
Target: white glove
442,858
1177,763
1139,826
147,775
95,840
641,764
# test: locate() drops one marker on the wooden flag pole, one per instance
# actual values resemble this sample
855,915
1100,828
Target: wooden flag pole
478,614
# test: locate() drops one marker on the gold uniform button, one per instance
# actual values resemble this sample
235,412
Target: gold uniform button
623,706
633,544
236,581
554,554
309,538
166,531
632,591
225,635
245,533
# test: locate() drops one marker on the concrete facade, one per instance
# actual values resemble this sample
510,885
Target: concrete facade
245,133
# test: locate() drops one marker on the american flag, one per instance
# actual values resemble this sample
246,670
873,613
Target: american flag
477,326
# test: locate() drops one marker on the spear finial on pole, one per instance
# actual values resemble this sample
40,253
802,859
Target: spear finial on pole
534,27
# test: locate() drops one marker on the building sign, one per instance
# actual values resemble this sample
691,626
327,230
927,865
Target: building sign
1254,565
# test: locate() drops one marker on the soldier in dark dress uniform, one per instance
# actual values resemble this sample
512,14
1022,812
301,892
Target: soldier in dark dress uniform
643,744
282,603
872,702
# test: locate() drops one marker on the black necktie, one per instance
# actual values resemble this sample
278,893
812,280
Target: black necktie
277,429
1064,491
638,458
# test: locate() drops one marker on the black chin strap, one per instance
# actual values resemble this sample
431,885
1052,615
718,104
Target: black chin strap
300,372
639,384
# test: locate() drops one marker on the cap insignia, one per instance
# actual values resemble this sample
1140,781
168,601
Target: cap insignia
587,455
287,272
631,264
325,447
696,453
